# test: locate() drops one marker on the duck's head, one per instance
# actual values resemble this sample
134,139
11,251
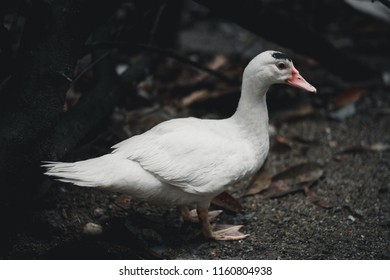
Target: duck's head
273,67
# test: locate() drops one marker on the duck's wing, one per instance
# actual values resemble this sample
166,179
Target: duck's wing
188,154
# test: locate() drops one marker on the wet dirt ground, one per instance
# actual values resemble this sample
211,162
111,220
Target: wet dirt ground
354,225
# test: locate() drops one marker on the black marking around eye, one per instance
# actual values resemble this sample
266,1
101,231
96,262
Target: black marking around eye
279,55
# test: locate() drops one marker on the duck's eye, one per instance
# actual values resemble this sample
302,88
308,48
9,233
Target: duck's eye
281,65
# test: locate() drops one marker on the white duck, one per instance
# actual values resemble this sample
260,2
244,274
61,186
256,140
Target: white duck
187,162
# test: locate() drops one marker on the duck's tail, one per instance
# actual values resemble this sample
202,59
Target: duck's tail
95,172
111,172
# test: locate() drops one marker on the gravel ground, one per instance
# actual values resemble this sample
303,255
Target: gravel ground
355,224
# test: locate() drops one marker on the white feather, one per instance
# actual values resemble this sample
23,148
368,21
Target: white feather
199,156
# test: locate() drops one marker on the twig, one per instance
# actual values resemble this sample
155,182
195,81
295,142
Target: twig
157,22
165,52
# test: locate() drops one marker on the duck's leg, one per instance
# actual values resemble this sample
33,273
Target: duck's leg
204,222
192,216
223,232
185,215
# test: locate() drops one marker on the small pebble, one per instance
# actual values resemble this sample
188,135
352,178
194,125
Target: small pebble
359,212
98,212
352,218
92,229
386,77
121,68
343,113
332,144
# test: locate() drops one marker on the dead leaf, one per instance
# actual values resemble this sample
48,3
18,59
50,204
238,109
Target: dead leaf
140,120
295,114
292,180
195,96
124,201
217,62
313,198
301,173
64,213
280,188
227,202
283,141
147,87
348,96
259,182
345,104
71,98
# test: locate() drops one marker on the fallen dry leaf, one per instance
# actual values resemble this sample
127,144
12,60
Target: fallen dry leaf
140,120
227,202
71,98
64,213
283,141
313,198
292,180
280,188
259,182
218,61
204,95
301,173
295,114
348,96
195,96
124,201
345,104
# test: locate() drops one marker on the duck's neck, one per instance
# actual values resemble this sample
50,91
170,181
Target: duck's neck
252,110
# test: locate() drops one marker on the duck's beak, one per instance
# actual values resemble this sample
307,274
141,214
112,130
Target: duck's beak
298,81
